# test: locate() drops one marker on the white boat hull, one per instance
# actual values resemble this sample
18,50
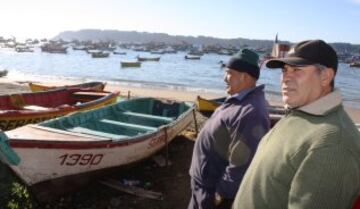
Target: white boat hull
60,158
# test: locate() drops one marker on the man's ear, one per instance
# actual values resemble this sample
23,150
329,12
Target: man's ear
327,75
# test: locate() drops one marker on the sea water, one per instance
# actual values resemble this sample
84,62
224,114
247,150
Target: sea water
172,71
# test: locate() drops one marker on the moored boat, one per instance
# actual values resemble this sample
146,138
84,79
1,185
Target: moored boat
355,64
89,86
142,59
54,48
124,64
91,141
99,54
21,109
119,53
192,57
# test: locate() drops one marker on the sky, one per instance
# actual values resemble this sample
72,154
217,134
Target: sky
293,20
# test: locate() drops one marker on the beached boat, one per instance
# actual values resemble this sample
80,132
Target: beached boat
208,106
124,64
21,109
192,57
89,86
86,142
3,73
142,59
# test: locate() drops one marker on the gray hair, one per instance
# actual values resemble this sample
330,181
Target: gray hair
321,67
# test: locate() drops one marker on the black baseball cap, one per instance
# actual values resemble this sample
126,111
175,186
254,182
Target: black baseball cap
308,53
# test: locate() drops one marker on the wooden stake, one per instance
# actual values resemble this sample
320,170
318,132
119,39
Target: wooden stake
195,123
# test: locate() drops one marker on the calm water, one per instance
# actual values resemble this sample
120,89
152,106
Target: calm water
173,71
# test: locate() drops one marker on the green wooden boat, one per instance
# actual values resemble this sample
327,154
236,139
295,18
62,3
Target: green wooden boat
90,141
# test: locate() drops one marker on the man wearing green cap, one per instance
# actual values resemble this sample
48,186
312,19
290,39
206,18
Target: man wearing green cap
228,140
311,158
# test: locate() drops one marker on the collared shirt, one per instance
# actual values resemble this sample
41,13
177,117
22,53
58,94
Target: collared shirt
240,95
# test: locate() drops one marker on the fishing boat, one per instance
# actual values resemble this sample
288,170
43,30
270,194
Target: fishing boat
192,57
142,59
22,48
89,86
79,144
157,52
3,73
21,109
119,52
125,64
99,54
355,64
54,48
208,106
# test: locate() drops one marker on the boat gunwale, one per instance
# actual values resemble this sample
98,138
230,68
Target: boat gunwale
104,142
60,110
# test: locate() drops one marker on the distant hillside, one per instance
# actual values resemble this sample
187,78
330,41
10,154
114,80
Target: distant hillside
145,37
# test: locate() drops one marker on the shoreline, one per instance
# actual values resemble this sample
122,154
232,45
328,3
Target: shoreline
8,86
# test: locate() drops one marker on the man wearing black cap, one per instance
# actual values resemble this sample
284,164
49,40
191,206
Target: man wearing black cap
228,140
311,158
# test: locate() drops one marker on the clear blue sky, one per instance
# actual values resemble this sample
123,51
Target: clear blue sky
331,20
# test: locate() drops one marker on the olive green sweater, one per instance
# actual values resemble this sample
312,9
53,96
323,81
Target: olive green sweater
309,160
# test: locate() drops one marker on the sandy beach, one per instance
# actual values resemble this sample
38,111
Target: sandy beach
8,86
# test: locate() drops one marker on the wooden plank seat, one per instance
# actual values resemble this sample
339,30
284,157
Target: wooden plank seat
83,130
129,125
147,116
84,95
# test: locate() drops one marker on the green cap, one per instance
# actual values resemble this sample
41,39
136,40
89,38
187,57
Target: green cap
245,60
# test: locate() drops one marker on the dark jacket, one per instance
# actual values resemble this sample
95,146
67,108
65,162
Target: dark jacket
228,141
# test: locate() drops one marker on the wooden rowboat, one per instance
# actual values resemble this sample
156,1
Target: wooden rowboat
21,109
99,54
192,57
89,86
142,59
3,73
354,64
208,106
85,142
130,64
